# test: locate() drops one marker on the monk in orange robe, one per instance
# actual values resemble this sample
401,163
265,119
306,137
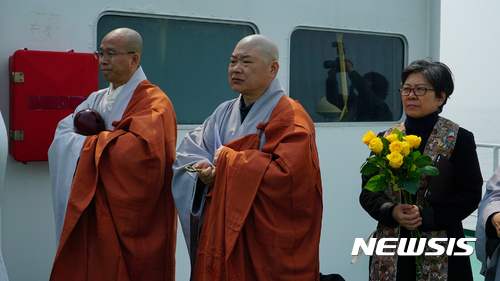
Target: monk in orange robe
259,179
120,222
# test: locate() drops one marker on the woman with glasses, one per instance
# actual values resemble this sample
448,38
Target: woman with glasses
426,86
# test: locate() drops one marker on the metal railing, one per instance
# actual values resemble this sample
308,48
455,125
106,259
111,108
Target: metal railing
495,148
488,168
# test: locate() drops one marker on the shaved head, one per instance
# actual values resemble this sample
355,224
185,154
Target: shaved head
127,44
253,66
268,50
133,40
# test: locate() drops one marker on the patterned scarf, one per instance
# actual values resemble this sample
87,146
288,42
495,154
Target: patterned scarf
432,268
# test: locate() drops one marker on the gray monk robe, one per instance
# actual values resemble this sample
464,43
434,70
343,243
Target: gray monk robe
262,217
487,246
66,147
199,144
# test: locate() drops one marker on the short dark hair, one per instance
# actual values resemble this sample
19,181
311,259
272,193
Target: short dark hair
437,73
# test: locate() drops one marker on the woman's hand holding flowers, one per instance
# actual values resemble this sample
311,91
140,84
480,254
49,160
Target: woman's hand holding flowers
407,216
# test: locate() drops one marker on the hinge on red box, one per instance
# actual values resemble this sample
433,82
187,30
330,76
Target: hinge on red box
17,77
16,135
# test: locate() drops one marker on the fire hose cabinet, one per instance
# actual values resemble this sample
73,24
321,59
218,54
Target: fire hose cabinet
44,88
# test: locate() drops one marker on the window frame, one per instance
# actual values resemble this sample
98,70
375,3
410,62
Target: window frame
405,52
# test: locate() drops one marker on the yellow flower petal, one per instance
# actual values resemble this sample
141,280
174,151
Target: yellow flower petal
368,137
413,140
392,137
376,145
395,159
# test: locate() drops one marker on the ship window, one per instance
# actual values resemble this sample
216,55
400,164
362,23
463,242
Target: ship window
366,91
187,59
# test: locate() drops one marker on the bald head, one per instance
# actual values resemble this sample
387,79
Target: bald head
268,50
253,66
123,47
132,39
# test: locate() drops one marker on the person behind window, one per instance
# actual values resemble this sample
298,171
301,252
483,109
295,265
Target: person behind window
368,104
114,210
488,229
259,183
426,86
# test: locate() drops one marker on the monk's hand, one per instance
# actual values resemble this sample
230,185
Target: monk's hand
207,174
495,221
407,216
216,154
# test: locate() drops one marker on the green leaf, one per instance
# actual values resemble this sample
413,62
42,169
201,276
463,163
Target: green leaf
385,141
369,169
408,162
376,183
414,174
430,170
423,161
427,158
385,147
381,185
386,175
398,132
410,185
416,154
376,160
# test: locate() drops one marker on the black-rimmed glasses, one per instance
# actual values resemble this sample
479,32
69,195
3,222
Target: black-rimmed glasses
418,91
108,55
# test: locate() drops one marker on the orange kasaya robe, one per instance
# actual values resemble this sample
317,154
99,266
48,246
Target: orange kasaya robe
263,215
121,222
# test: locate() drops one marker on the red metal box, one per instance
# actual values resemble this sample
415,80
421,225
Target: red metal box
45,87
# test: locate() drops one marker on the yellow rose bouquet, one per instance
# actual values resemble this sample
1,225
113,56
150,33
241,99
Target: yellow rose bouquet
396,163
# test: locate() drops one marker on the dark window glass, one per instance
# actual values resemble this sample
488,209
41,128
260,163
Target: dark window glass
187,59
366,91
